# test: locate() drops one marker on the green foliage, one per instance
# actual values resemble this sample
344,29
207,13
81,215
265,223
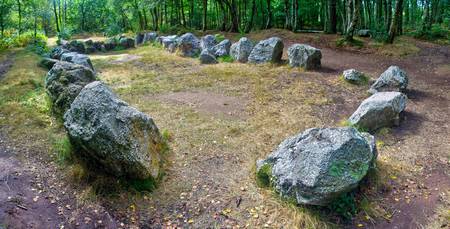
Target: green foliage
353,43
436,32
148,184
225,59
264,176
219,37
64,34
23,40
344,206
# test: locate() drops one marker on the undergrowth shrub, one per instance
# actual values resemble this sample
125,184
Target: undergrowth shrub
37,44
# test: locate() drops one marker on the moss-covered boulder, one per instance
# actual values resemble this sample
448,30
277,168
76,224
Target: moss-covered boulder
113,136
319,164
63,83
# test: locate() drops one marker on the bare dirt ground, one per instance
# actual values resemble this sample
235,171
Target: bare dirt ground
209,182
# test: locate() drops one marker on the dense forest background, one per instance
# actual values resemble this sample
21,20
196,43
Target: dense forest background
22,20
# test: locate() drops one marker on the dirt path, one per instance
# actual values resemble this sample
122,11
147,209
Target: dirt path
6,64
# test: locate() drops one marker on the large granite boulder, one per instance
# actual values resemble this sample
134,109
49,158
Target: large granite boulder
99,46
111,43
354,76
241,50
47,63
393,79
223,48
266,51
126,42
318,165
63,83
115,137
382,109
208,42
57,52
189,45
77,46
139,38
89,44
305,56
364,33
169,42
150,37
77,58
207,58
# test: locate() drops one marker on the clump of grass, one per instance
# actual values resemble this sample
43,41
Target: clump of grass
342,42
363,82
63,149
264,176
148,184
344,206
219,37
225,59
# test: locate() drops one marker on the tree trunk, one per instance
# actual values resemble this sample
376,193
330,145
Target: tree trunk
205,11
287,16
234,16
269,15
252,17
352,27
395,20
19,5
332,25
295,15
56,16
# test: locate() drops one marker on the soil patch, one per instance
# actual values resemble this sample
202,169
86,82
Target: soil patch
211,103
6,65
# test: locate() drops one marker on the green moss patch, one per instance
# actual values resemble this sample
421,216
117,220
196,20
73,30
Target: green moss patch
264,176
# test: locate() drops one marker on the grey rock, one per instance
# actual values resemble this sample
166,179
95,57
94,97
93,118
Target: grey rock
320,164
353,76
265,51
241,50
382,109
364,33
207,58
223,48
305,56
77,46
393,79
208,42
150,37
99,46
89,44
189,45
77,58
114,136
110,44
48,63
57,52
126,42
169,42
63,83
139,38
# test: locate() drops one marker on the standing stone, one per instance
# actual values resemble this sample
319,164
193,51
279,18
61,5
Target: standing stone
150,37
393,79
113,136
380,110
223,48
207,58
364,33
89,44
353,76
319,165
63,83
47,63
77,58
208,42
169,42
265,51
188,45
241,50
57,52
305,56
99,46
110,44
126,42
77,46
139,38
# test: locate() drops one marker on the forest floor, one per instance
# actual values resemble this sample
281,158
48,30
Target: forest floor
221,118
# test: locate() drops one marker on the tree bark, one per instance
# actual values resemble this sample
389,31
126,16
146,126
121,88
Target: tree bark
352,27
269,15
252,17
332,25
56,16
205,11
395,20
